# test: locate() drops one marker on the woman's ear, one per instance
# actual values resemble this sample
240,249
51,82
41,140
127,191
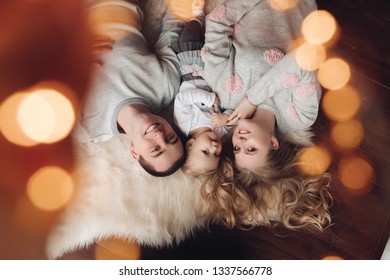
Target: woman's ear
189,143
274,143
134,153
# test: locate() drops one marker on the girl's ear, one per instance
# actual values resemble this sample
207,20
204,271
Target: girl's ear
274,143
189,143
134,153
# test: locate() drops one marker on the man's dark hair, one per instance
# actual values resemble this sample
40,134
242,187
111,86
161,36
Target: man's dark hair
152,171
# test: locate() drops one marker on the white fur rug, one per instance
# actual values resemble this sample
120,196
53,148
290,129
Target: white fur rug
115,197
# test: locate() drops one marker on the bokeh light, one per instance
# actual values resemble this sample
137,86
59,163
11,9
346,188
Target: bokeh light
347,134
334,73
315,160
182,9
342,104
310,56
117,249
282,5
46,115
356,174
50,188
36,117
319,27
9,123
113,19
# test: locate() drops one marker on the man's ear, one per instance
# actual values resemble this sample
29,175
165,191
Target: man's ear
134,153
274,143
189,143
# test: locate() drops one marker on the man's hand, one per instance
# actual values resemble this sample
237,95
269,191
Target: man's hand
244,110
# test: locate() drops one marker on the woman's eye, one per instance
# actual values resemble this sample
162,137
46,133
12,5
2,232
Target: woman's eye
236,148
251,149
206,152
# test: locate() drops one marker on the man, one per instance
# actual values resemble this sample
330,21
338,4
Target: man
132,85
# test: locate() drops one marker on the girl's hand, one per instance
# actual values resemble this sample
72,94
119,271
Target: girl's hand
218,119
100,45
244,110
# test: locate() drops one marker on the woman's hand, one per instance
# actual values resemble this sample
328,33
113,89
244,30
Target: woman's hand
100,45
244,110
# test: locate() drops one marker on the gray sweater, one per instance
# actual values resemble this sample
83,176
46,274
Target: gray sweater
131,74
244,56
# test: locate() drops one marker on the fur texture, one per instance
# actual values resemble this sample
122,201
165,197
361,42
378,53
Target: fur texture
114,197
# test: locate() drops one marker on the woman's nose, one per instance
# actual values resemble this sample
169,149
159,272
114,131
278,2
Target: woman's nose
242,138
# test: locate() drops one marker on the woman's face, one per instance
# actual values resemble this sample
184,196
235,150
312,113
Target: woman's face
251,144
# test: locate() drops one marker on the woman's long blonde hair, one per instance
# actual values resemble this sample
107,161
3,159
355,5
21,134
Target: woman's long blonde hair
278,194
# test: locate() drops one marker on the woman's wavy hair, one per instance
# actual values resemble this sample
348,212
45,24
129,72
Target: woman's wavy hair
278,194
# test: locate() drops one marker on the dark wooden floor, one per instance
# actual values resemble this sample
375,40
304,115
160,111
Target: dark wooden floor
361,221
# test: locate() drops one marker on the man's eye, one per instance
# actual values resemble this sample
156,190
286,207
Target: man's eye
171,138
206,152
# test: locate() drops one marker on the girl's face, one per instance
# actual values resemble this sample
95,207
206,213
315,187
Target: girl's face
251,144
204,151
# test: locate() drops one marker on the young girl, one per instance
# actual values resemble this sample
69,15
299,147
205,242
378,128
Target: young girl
196,107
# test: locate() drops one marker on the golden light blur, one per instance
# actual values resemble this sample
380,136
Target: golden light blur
319,27
46,115
182,9
282,5
9,125
310,56
347,134
117,249
342,104
356,174
36,117
50,188
315,160
334,73
332,258
113,20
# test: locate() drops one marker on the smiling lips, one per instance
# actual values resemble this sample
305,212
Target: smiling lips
152,128
242,131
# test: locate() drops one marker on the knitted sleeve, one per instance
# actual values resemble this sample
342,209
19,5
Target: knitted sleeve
168,60
290,92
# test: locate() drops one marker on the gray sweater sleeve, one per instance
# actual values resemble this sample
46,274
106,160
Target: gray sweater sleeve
293,94
171,29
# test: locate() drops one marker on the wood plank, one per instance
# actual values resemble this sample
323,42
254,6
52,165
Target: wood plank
361,28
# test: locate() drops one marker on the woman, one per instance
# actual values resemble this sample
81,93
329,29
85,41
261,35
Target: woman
246,65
